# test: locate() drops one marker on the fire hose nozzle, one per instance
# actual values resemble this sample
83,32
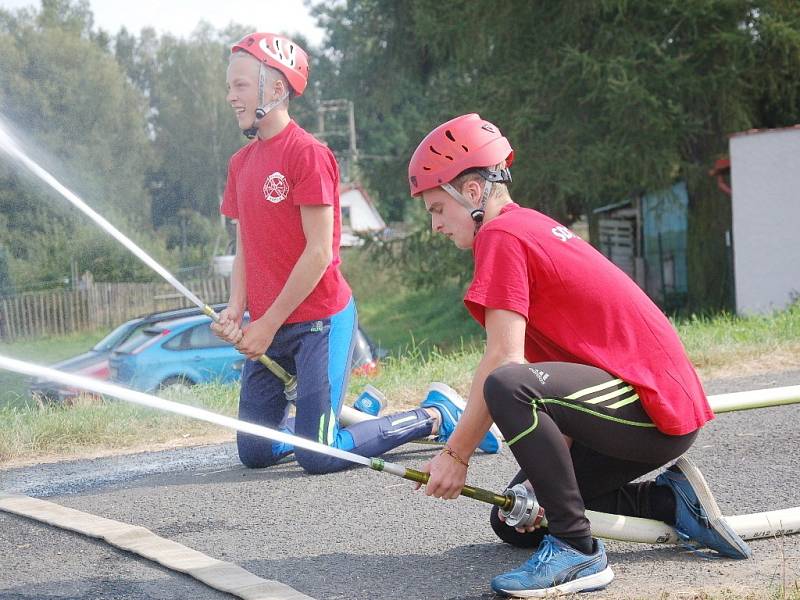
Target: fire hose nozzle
524,510
289,381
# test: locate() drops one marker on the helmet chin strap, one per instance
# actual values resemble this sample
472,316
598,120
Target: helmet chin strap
476,213
490,176
263,109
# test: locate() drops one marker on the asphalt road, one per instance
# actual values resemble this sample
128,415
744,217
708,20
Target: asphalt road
362,535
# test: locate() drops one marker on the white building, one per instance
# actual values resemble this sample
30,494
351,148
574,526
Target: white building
359,214
765,178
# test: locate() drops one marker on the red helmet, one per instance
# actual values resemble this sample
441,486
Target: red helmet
462,143
279,53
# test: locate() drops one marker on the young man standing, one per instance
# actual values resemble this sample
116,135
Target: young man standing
585,377
283,191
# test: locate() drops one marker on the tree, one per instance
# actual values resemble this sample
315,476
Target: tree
372,57
600,99
192,124
86,124
193,129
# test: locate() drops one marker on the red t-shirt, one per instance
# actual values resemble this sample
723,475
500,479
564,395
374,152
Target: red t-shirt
581,308
268,181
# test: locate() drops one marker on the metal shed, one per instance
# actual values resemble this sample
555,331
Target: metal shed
646,237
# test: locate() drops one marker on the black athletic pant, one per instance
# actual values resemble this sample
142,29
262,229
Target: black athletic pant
614,442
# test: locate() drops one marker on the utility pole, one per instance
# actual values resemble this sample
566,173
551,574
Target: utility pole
340,113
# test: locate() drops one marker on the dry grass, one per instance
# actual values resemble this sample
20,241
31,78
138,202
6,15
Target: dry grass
724,346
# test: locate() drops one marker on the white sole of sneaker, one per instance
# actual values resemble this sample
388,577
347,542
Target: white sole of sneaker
585,584
709,504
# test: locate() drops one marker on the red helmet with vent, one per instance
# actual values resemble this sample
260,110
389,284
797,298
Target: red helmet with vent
465,142
279,53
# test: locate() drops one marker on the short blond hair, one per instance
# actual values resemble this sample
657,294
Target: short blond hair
499,190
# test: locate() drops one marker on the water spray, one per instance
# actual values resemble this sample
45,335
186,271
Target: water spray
8,144
348,414
518,504
128,395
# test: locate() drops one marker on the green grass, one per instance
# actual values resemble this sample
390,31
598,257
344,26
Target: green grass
404,378
431,338
412,322
725,340
429,334
41,351
27,431
416,321
402,320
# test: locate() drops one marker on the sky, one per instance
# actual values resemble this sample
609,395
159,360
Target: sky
179,17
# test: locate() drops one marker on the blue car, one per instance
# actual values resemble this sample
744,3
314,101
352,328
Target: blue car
95,362
183,352
179,352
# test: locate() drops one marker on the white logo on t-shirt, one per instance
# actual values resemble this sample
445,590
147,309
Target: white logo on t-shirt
276,188
562,233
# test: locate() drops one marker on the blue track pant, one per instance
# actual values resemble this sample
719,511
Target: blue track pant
319,353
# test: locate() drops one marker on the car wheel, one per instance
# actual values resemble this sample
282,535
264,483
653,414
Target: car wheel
173,387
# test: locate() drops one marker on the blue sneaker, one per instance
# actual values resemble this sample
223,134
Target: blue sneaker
447,401
556,568
698,519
